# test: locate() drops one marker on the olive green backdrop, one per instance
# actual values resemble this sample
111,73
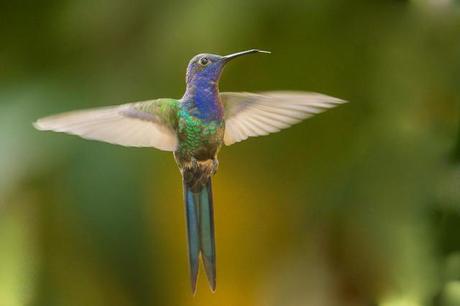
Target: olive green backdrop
357,206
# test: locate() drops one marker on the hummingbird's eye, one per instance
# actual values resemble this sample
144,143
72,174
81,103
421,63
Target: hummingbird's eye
204,61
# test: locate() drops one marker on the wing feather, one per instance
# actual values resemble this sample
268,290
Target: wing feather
140,124
249,114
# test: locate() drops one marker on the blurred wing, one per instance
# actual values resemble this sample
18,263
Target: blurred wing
249,114
141,124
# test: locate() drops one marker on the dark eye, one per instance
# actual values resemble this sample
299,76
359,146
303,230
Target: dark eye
204,61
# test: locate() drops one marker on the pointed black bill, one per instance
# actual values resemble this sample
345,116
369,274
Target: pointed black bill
229,57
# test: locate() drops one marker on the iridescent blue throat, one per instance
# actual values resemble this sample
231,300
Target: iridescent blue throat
202,99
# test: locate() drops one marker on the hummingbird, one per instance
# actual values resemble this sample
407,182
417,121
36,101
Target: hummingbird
194,128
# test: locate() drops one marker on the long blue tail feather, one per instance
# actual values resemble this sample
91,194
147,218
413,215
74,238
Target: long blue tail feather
200,232
207,241
192,234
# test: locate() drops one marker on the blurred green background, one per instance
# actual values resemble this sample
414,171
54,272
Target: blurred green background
357,206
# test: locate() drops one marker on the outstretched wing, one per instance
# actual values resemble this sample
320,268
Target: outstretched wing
140,124
249,114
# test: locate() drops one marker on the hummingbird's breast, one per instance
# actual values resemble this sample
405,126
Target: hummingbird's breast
198,138
200,128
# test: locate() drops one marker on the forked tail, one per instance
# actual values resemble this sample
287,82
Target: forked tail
200,231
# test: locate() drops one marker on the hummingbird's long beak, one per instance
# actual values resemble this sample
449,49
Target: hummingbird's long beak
229,57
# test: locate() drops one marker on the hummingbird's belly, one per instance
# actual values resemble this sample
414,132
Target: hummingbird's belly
199,139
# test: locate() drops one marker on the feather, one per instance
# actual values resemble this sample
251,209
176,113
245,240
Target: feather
249,114
200,231
140,124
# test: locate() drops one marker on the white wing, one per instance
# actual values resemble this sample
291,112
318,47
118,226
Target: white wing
250,114
141,124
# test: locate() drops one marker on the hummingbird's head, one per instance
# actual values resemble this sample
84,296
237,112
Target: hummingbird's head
208,67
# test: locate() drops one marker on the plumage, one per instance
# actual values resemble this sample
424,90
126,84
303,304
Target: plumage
193,233
250,114
194,128
207,241
141,124
200,232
